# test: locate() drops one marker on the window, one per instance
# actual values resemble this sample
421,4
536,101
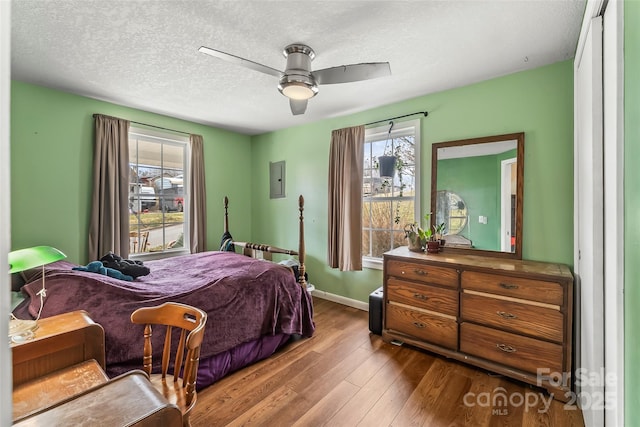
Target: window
389,203
157,194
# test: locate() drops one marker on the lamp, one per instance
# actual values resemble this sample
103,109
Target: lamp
25,259
298,86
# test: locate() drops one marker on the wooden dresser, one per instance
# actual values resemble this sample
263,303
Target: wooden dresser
511,317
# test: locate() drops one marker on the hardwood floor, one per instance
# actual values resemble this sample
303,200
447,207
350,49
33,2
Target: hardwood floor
346,376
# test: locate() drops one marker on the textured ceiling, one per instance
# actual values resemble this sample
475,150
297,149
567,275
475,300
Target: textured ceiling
144,53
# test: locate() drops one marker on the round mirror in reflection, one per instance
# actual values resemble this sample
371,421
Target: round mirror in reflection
452,210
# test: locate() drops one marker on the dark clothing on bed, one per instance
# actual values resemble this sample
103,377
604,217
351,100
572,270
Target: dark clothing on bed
127,267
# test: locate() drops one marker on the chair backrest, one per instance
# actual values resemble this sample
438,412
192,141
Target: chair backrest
144,241
138,241
191,322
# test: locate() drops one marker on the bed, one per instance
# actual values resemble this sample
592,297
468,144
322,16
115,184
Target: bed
254,306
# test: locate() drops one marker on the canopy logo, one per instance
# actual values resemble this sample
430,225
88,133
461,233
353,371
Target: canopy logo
500,401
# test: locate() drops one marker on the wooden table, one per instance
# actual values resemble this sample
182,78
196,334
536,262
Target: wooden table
65,357
59,379
59,342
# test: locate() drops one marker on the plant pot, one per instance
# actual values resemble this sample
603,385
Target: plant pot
433,246
387,166
414,242
442,242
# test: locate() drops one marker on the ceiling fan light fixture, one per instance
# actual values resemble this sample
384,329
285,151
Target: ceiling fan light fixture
298,89
295,90
297,82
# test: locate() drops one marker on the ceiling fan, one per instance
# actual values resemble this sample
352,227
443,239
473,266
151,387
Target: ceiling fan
298,82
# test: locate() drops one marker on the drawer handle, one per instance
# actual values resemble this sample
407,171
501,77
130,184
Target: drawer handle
419,325
506,315
506,348
420,296
420,272
508,286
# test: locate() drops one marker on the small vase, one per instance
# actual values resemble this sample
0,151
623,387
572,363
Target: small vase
442,242
414,242
433,246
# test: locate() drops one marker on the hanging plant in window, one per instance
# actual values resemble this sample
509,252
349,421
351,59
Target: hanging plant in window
387,162
387,166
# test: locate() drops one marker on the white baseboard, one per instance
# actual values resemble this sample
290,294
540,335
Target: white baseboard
341,300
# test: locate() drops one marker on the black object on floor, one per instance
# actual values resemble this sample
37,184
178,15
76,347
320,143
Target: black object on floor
375,311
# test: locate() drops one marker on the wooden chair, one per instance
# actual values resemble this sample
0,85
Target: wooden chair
138,241
191,322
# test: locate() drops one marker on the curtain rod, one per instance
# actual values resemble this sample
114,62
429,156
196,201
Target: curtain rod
145,124
426,113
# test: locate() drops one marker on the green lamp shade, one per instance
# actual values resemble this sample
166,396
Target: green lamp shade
25,259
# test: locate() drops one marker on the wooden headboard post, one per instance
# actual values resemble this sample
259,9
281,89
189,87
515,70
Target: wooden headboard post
226,214
252,249
301,248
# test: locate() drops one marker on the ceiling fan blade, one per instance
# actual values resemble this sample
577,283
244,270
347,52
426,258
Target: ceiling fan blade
298,106
240,61
352,73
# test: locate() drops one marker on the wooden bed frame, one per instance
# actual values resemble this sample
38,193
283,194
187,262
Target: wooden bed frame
255,249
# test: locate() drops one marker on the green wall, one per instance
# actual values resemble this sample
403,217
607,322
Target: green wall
477,181
631,207
538,102
51,169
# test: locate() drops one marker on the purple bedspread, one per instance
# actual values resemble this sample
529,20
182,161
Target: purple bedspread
245,299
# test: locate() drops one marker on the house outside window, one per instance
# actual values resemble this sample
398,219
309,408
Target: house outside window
389,203
157,192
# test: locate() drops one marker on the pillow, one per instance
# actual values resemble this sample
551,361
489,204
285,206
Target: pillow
36,273
31,274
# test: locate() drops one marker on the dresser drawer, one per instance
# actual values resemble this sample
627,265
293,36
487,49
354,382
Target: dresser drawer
424,273
427,297
423,326
516,287
526,319
527,354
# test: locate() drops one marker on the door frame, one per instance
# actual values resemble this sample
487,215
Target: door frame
505,203
613,99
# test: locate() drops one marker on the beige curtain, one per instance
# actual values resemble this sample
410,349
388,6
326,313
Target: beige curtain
346,160
109,224
197,197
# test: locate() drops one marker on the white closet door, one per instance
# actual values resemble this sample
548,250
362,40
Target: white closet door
613,163
5,212
588,213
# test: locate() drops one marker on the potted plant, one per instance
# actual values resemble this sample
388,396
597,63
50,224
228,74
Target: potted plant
387,166
433,245
418,238
428,236
439,233
387,162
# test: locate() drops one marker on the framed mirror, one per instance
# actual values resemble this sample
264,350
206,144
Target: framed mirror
477,192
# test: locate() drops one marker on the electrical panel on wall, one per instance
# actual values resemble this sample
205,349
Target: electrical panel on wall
277,179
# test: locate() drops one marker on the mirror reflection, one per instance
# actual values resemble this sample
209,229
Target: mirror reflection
451,211
477,193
